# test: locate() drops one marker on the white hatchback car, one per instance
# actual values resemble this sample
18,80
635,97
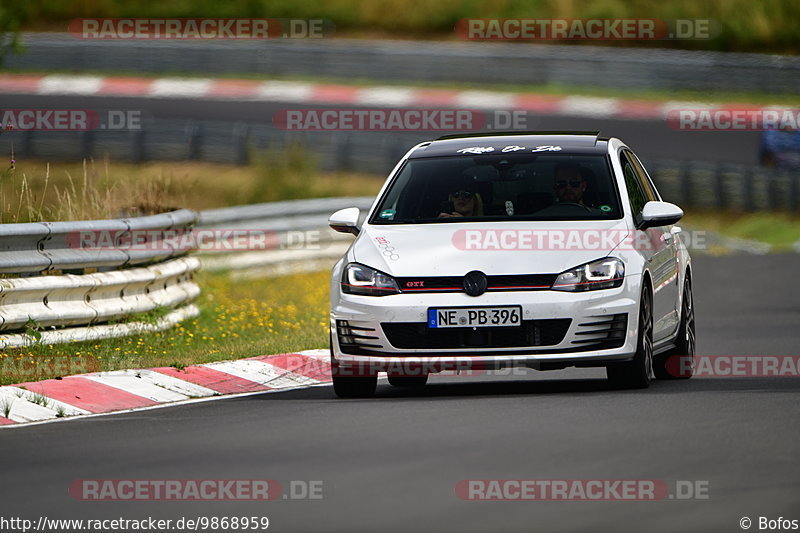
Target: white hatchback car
542,250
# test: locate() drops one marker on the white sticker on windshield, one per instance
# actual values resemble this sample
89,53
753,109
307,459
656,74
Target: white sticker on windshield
512,148
475,150
547,148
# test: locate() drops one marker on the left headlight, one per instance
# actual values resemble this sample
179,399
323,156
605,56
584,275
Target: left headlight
606,273
360,279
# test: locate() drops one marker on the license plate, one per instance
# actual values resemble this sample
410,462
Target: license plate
468,317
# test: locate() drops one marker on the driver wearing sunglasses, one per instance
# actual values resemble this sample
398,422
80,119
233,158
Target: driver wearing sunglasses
569,184
464,201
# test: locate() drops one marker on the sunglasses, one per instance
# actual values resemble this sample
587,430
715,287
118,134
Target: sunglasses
461,194
572,183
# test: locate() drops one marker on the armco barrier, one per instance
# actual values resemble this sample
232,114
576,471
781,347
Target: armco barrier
43,246
282,219
127,281
70,299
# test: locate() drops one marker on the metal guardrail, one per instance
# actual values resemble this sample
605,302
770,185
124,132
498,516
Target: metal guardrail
45,246
318,245
129,279
71,300
407,61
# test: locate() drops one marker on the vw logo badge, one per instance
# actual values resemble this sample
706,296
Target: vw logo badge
475,283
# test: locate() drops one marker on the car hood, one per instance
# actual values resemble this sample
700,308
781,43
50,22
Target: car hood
443,249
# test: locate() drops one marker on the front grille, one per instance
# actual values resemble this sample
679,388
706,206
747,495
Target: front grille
417,335
515,282
602,332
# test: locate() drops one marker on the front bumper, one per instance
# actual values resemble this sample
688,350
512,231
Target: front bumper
595,328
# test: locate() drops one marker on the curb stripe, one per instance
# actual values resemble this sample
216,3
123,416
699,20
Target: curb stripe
436,97
298,364
14,83
541,103
120,390
180,88
80,85
125,87
22,408
234,89
263,373
130,382
89,395
331,94
335,94
220,382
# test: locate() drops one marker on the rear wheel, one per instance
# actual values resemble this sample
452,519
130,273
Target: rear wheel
678,363
638,372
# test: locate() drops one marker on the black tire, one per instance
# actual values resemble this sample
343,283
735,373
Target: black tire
670,365
351,386
354,387
638,372
408,381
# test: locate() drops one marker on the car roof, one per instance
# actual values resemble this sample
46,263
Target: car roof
494,143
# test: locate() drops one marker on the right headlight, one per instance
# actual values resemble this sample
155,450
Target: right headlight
606,273
360,279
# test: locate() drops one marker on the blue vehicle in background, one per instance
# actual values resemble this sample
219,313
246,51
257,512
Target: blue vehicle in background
780,148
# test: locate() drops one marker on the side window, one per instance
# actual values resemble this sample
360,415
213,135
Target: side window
637,197
647,185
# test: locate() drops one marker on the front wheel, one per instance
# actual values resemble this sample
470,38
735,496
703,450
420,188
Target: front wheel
347,384
354,386
638,372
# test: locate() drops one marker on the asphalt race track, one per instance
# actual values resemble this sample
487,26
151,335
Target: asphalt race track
649,138
392,463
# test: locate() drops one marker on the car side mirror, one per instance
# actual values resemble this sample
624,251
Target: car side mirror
345,220
656,214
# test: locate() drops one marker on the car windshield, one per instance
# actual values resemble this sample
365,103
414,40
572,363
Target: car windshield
501,187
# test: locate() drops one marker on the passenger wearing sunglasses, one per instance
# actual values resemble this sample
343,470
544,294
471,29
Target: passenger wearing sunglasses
465,202
569,184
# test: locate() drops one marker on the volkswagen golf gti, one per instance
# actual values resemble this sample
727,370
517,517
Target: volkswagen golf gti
542,250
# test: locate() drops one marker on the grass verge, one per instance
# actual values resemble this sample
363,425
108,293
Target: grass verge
33,190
